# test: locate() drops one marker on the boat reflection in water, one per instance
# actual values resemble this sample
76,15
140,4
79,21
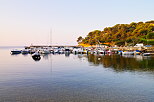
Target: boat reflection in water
80,78
122,63
67,54
118,63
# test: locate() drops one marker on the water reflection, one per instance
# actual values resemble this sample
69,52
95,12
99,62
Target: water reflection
122,63
45,56
67,54
13,54
116,62
24,54
59,79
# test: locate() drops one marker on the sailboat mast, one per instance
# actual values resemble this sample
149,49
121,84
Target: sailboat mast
50,37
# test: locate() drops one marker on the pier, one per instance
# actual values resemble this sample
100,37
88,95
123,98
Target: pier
143,49
42,46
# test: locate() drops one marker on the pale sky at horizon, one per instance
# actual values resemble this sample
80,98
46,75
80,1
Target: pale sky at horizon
25,22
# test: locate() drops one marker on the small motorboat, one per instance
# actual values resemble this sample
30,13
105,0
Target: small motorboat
146,54
36,56
25,51
15,51
75,51
56,50
67,50
128,53
31,52
45,51
101,51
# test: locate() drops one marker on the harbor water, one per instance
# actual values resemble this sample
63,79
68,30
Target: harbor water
76,78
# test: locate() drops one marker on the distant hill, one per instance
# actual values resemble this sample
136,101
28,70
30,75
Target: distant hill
121,34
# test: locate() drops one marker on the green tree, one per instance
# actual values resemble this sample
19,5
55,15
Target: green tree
79,40
150,35
121,34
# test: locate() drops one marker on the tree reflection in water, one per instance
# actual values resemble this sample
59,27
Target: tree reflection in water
123,63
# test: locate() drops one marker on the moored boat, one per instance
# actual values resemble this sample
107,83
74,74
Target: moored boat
25,51
101,51
44,51
146,54
67,50
128,53
15,51
36,56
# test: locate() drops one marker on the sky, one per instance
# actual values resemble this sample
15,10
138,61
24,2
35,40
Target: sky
61,22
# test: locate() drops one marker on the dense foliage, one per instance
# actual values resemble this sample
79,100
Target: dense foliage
122,34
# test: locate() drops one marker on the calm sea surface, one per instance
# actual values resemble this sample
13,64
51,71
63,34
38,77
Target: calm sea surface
76,78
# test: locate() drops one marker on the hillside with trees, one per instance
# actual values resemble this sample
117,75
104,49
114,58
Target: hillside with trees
121,35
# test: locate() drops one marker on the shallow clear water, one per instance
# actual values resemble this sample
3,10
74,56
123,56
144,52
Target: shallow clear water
76,78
